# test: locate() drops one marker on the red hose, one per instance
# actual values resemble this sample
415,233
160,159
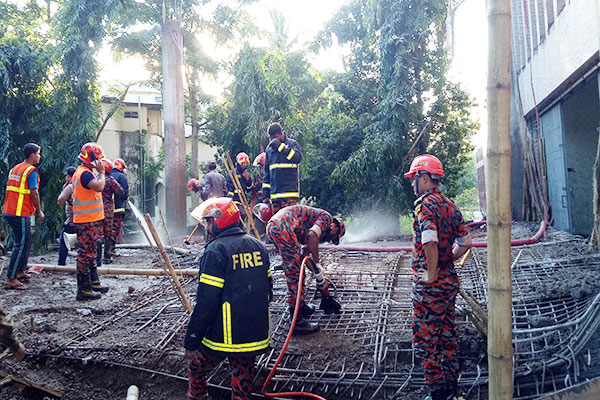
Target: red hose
285,345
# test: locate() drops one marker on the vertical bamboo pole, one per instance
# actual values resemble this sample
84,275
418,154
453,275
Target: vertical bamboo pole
497,172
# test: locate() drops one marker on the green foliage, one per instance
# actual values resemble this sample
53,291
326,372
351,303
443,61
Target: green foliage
268,86
154,165
47,81
397,83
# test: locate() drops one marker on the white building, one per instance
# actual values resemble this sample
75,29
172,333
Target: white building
555,47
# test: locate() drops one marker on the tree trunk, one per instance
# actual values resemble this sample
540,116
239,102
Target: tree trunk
193,100
173,116
497,172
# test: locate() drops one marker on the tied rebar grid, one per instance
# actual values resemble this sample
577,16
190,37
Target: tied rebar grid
556,314
366,352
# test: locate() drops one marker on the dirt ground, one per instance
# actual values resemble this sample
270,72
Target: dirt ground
47,319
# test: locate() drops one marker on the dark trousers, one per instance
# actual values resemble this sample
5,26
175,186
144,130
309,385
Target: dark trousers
242,375
21,229
62,248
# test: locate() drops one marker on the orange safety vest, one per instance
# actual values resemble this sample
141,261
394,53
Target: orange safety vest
87,203
17,200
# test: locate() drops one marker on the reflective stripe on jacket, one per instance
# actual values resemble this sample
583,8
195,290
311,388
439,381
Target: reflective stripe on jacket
17,200
87,203
281,179
231,316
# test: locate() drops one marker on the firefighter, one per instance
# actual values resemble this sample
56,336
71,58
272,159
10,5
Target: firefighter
231,316
112,189
291,228
441,237
243,177
281,181
118,173
88,214
21,201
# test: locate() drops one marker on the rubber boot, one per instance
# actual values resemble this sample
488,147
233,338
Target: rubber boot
98,254
107,251
95,280
303,327
84,288
307,309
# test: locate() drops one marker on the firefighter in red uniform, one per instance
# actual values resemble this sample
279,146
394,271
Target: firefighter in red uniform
441,237
291,228
231,316
88,214
21,201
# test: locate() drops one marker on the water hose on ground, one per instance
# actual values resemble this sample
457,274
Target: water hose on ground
285,345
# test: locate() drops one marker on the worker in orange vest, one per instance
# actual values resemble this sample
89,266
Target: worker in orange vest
88,216
21,201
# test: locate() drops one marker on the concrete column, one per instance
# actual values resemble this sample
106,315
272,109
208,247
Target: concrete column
173,116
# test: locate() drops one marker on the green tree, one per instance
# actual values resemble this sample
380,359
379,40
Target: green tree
48,86
396,81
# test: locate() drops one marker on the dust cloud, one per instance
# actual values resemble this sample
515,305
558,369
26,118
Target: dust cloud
368,227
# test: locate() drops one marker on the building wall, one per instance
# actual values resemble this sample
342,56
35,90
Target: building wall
580,119
559,49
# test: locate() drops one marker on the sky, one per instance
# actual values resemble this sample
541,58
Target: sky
307,17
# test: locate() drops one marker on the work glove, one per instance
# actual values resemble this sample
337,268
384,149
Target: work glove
275,144
330,305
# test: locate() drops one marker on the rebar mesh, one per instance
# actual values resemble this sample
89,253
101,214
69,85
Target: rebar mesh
366,352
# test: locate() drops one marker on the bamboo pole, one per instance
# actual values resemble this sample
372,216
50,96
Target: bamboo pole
121,271
497,172
178,250
182,294
242,194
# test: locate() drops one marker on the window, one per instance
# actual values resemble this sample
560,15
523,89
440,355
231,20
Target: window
131,114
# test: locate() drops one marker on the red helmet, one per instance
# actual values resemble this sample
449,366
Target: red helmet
425,163
120,164
260,159
242,158
263,211
107,165
193,185
222,209
88,149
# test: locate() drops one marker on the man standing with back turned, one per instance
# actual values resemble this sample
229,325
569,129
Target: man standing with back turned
441,237
281,181
21,201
